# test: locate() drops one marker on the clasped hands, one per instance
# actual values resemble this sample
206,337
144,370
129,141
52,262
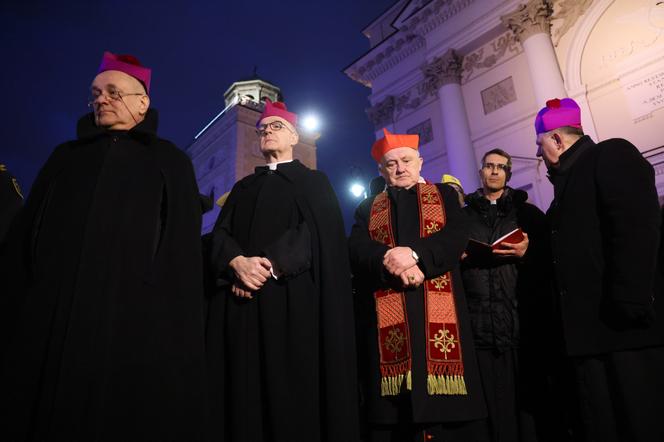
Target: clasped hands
250,274
399,262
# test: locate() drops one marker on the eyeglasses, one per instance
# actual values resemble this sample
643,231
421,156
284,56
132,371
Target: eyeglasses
113,95
275,126
495,166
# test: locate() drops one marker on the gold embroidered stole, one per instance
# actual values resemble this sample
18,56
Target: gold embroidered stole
443,344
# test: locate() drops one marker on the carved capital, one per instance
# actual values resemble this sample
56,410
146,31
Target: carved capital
382,113
529,19
442,70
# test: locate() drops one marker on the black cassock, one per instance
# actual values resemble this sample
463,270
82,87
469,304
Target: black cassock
438,254
11,201
106,288
286,358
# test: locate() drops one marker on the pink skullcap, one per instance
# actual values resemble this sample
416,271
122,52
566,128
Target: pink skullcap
558,113
393,141
277,109
127,64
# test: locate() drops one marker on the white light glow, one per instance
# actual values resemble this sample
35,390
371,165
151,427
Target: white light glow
311,122
357,190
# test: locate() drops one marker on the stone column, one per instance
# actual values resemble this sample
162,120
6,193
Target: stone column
531,24
443,75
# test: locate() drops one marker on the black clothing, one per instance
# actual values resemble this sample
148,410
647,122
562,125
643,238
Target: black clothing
495,288
288,354
109,337
438,253
504,294
604,238
11,201
620,396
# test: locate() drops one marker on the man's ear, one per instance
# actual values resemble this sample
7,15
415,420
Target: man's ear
558,139
145,105
295,138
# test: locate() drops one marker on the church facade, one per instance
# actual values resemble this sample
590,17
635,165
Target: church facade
470,75
227,149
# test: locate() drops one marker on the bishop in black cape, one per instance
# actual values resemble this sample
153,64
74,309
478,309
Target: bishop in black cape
286,353
106,293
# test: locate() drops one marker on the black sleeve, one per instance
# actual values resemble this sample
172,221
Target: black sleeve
440,252
290,254
223,246
630,223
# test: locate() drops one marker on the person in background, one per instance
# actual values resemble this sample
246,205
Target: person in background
507,292
455,183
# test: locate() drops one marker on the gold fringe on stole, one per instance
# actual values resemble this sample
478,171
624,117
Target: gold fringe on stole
391,385
446,384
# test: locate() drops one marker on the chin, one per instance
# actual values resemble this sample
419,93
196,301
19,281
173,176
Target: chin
105,121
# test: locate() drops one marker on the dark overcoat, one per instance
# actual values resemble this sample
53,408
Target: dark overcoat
108,342
604,238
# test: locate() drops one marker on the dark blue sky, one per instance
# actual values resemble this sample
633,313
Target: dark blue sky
51,51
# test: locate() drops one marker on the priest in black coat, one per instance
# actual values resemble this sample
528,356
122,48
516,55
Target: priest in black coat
108,336
604,240
280,326
418,364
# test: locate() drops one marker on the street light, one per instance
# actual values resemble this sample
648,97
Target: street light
358,190
311,122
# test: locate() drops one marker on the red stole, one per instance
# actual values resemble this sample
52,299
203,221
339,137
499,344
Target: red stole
443,343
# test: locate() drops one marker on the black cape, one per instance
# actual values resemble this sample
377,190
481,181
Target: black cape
11,201
438,253
288,354
109,336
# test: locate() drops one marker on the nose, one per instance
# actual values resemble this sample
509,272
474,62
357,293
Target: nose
99,99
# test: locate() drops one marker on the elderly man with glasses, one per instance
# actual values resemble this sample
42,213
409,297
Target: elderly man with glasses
281,323
108,336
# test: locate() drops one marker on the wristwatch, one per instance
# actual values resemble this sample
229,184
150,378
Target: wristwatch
415,256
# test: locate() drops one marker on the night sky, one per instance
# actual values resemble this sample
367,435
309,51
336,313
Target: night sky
51,51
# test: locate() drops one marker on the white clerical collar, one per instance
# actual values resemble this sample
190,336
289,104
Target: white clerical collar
273,166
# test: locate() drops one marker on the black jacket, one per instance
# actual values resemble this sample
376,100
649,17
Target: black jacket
604,238
109,336
496,287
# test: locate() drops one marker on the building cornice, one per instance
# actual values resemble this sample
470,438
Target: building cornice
383,57
406,41
434,15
